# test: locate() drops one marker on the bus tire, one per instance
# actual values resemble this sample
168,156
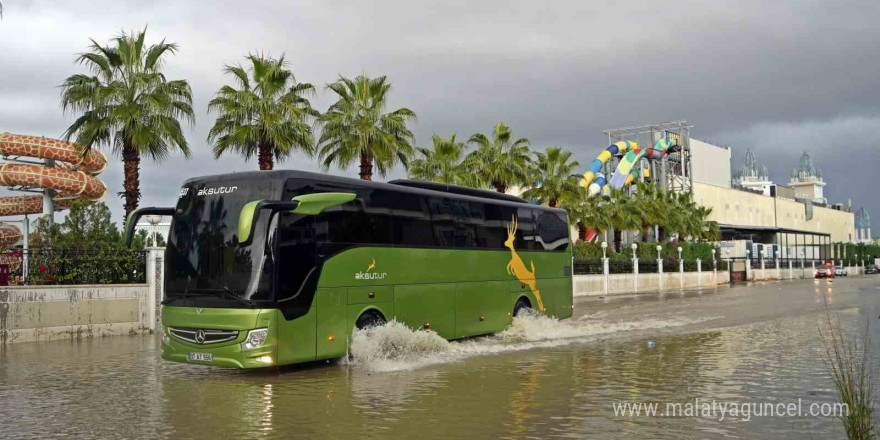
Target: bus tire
521,304
370,318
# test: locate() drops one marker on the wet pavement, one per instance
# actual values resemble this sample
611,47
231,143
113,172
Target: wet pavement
539,379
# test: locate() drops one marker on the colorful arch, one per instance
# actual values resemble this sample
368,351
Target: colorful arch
594,180
627,171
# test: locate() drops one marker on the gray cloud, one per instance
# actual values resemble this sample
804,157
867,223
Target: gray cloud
770,75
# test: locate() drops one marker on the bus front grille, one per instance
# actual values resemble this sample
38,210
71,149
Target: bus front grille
204,336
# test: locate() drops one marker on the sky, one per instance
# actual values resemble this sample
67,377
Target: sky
779,77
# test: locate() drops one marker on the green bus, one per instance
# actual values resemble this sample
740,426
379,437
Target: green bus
279,267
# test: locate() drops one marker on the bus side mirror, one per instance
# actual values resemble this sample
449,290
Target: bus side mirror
306,204
136,215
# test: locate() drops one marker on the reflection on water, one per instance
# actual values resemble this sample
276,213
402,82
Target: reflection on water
541,378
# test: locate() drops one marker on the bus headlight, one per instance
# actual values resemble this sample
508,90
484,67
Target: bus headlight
255,338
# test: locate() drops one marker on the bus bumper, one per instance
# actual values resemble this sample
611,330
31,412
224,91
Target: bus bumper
230,354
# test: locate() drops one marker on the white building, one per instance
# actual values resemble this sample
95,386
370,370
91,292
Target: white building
711,163
863,226
807,181
753,175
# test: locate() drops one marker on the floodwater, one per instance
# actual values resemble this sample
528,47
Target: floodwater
539,379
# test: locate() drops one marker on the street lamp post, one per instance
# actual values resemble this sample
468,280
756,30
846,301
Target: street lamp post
660,266
605,265
154,230
635,266
680,269
714,266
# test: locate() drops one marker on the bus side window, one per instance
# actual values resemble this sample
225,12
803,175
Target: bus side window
365,220
452,222
553,232
412,222
377,206
492,230
526,235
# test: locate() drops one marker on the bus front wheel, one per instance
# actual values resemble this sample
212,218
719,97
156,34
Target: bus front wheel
521,304
370,318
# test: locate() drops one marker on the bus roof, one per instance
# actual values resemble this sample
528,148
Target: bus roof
404,186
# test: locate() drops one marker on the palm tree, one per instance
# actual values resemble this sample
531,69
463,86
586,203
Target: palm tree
623,214
653,206
692,226
674,217
585,211
357,127
709,229
127,104
441,163
266,115
554,176
501,163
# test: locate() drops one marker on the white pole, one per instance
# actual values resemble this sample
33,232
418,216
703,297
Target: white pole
660,272
25,257
48,204
636,273
605,271
699,272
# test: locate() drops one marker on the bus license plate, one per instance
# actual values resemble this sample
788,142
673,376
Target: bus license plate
200,357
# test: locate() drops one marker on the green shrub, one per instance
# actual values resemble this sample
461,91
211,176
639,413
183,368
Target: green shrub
647,251
86,248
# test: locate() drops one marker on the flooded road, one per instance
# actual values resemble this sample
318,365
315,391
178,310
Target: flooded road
539,379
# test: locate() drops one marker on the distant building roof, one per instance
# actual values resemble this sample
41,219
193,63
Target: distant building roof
751,170
863,219
806,170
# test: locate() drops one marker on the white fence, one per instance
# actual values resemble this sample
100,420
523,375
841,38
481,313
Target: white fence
43,313
636,282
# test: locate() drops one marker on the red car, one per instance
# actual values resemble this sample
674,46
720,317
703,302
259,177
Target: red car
825,271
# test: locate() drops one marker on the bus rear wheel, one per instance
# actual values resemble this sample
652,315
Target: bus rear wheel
370,318
522,304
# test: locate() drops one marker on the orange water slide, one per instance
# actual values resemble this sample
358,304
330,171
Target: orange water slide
72,178
9,235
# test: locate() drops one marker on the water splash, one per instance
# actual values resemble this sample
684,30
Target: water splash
396,347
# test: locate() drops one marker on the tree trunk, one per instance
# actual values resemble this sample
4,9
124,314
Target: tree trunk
264,156
500,187
552,203
618,238
645,233
582,231
366,167
131,161
661,234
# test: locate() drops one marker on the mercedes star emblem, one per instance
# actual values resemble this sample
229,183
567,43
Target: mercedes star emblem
200,336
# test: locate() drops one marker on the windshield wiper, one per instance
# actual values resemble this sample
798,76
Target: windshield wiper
225,292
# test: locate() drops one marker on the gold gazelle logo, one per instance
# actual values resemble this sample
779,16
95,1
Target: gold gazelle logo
517,268
369,274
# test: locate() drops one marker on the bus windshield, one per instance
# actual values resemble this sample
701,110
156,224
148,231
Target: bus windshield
206,265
